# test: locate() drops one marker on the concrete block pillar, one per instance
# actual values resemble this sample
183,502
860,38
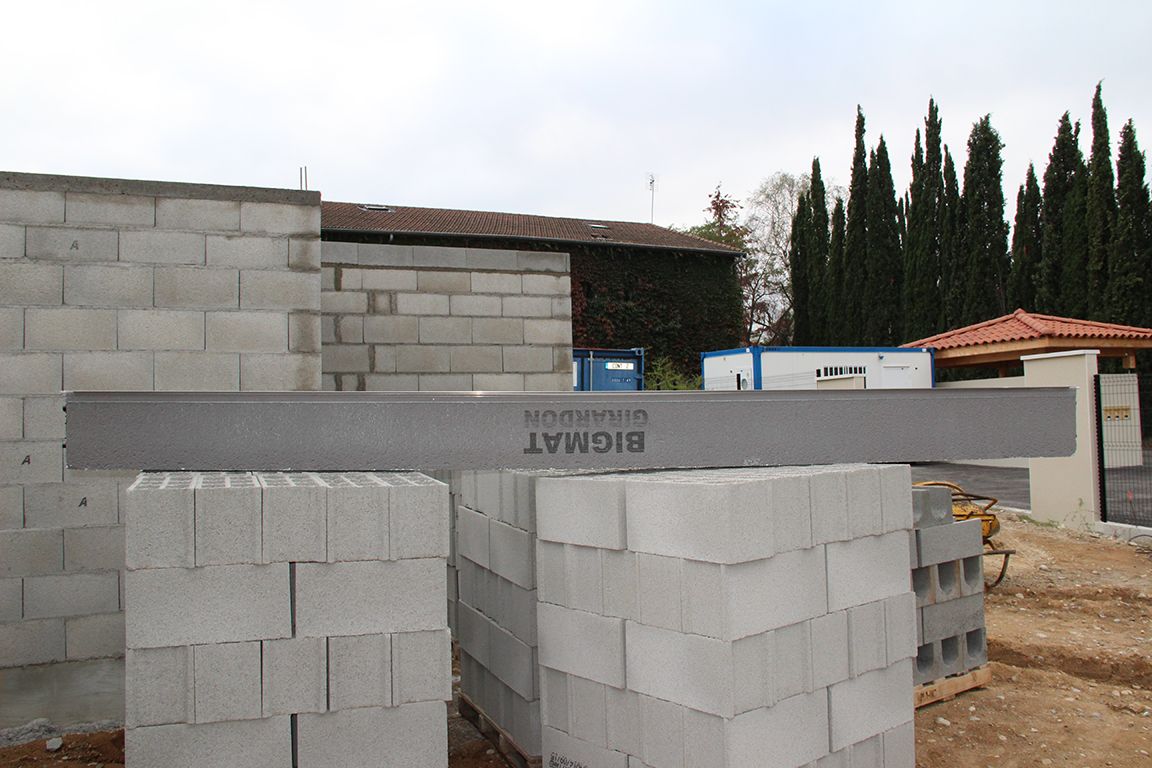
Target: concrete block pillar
1066,490
751,617
286,620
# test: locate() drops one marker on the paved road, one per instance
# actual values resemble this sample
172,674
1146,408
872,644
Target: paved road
1010,486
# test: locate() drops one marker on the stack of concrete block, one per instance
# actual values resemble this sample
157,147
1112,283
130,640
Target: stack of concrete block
286,619
758,617
496,612
404,317
136,285
948,579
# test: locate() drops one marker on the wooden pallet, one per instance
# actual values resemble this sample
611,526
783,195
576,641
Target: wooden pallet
500,739
949,687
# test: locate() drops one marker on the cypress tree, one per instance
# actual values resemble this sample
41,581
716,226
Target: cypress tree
799,269
1074,259
1100,206
985,238
1059,179
882,293
1129,299
1026,236
856,241
817,255
922,251
951,226
835,333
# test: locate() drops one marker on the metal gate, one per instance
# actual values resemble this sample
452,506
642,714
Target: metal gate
1124,447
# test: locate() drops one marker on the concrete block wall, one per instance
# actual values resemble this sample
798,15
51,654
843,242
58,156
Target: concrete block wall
402,317
286,619
948,579
759,617
110,284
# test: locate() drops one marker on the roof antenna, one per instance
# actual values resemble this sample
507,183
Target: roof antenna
303,177
652,192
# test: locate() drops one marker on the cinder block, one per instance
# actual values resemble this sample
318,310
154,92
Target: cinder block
94,549
11,241
793,732
247,252
30,284
713,522
896,496
439,256
338,358
551,578
11,507
582,644
473,633
31,462
475,306
900,746
294,524
541,261
391,330
304,332
159,527
789,498
72,245
160,329
868,753
350,329
422,304
792,661
338,253
562,307
658,591
407,382
703,668
866,499
358,524
830,646
278,373
924,585
931,507
265,743
108,370
511,554
12,418
304,253
422,666
32,374
873,703
199,215
952,618
702,613
928,664
526,307
217,604
473,536
971,574
294,675
975,648
588,715
384,255
444,282
158,686
547,382
476,359
558,748
95,637
197,288
662,732
947,580
71,594
411,735
158,247
547,331
496,282
491,258
513,662
120,285
12,329
584,511
497,331
246,331
418,520
786,589
551,285
868,640
61,329
951,541
444,330
31,206
829,507
388,279
362,597
359,671
43,419
228,527
227,681
31,552
207,371
11,599
266,289
584,578
32,642
280,218
116,209
867,569
554,699
412,359
527,359
620,584
900,627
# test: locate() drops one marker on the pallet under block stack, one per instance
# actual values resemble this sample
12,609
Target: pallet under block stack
948,579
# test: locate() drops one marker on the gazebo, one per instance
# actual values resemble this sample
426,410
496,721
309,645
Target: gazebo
1003,341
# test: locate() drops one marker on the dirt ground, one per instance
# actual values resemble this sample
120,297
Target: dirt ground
1070,644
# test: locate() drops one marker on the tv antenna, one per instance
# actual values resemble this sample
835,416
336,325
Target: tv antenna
303,177
652,193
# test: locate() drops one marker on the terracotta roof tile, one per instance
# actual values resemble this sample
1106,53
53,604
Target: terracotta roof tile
1021,325
396,219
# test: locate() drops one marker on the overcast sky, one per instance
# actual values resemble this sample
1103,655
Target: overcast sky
543,107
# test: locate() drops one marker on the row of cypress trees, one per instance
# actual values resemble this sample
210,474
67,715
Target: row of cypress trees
881,270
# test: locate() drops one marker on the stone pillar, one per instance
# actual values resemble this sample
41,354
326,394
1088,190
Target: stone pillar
750,617
1066,490
286,620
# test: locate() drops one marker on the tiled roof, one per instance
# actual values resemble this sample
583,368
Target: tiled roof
396,219
1021,325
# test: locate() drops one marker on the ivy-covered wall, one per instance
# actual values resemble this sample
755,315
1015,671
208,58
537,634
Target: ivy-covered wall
675,304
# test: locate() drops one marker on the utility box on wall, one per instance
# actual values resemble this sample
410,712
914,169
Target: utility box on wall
611,370
811,367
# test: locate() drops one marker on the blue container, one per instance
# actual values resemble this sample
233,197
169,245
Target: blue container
608,370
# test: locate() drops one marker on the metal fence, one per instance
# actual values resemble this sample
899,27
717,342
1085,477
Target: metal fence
1124,447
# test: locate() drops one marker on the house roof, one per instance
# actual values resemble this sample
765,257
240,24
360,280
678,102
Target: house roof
1006,338
396,219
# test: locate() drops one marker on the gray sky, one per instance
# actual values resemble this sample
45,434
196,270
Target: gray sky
542,107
